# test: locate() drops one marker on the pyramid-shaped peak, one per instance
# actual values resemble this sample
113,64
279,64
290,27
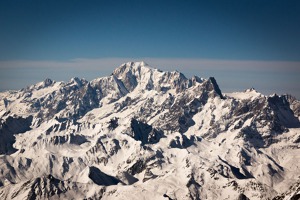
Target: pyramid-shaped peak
132,67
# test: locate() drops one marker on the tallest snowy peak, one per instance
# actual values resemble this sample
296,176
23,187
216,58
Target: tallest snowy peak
131,66
133,74
141,69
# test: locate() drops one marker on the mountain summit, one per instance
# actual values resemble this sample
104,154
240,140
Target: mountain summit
143,133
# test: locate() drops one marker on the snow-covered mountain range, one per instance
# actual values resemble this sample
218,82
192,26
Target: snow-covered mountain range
143,133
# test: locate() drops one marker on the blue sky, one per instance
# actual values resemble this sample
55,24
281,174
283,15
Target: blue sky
243,43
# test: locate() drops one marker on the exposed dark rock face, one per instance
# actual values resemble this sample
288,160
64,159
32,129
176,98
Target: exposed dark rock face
100,178
10,127
294,104
284,116
145,133
242,197
137,167
113,123
215,87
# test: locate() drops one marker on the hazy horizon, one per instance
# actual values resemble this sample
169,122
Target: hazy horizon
242,44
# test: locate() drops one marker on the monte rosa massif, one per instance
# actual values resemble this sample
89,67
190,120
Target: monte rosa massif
143,133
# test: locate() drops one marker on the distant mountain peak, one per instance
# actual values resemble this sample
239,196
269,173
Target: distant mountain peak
130,66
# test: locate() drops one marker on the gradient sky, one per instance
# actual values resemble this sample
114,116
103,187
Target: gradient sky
243,43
